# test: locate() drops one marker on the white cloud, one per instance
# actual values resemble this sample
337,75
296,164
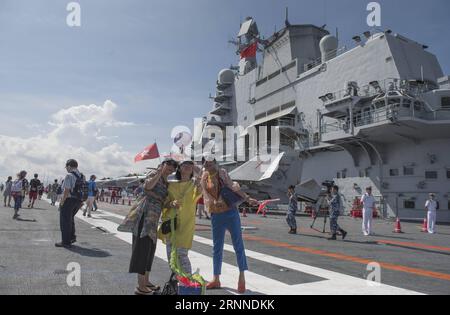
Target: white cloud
76,133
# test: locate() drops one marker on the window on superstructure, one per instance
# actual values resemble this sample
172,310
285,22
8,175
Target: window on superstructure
409,204
408,171
289,66
445,103
431,175
407,103
394,172
394,101
418,106
274,75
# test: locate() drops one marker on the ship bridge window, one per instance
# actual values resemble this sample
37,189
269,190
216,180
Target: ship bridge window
394,172
418,106
394,101
409,204
379,104
445,102
262,81
406,103
289,66
273,75
431,175
408,171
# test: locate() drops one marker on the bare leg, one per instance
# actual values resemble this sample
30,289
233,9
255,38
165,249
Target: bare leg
142,283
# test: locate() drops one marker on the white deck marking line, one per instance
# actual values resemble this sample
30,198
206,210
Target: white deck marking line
337,283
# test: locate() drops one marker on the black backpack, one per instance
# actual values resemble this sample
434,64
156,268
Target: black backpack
81,189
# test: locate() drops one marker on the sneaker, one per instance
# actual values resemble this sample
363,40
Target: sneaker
84,214
344,235
333,238
89,216
61,245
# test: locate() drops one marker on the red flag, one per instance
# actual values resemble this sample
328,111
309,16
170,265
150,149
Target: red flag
263,205
149,153
250,51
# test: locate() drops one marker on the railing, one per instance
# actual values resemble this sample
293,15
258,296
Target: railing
383,86
333,54
391,113
289,122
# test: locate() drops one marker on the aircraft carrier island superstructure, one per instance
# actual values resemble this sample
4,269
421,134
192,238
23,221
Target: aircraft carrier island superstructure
376,114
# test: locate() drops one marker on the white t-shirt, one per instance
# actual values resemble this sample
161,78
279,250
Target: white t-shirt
431,205
368,201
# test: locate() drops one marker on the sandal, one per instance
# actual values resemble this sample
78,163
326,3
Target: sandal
142,293
241,287
154,287
213,286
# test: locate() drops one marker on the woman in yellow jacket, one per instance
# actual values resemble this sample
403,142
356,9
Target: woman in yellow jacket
182,200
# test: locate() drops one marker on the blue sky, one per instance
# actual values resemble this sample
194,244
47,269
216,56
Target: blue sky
156,60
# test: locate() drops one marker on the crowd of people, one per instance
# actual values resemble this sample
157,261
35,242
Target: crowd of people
334,205
167,203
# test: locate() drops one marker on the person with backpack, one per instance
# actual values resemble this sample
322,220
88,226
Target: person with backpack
7,192
54,192
19,191
59,192
92,188
35,184
75,192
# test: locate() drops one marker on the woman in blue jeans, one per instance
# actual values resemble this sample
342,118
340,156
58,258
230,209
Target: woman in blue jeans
223,218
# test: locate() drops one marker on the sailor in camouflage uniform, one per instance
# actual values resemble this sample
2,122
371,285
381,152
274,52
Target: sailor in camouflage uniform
335,211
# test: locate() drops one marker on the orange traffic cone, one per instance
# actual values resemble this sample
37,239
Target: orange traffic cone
425,226
398,226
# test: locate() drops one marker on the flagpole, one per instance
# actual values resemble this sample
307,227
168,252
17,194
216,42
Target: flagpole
159,154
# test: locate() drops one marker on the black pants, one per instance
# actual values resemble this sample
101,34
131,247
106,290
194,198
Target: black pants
67,219
143,253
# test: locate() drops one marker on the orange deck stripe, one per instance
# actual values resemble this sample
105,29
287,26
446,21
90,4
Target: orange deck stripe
418,245
389,266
